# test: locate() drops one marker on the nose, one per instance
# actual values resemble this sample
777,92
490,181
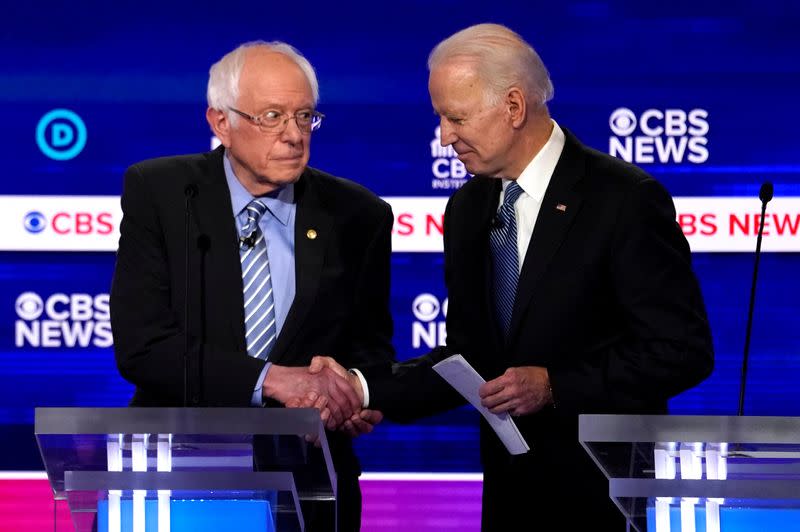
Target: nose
448,135
291,131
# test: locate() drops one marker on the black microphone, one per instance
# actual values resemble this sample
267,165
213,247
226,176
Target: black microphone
765,195
189,192
766,192
248,241
497,222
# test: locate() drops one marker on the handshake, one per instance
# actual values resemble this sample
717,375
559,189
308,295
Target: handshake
326,386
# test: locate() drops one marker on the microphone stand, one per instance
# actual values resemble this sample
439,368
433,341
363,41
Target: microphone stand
189,192
765,194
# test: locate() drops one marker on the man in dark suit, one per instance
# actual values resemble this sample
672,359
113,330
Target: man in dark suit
569,282
284,261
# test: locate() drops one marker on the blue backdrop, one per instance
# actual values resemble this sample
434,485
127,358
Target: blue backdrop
135,75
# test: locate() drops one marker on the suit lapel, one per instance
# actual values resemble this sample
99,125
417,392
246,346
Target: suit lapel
467,237
560,205
214,217
313,230
489,210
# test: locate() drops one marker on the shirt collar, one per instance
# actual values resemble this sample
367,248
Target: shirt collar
279,203
536,176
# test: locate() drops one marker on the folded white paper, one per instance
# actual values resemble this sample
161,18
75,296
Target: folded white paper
463,377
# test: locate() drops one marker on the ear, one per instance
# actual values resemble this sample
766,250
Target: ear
517,106
220,125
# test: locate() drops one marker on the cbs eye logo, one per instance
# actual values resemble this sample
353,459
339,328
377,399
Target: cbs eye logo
34,222
61,134
622,122
426,307
29,306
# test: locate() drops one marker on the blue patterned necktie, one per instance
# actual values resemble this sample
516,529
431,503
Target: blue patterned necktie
503,242
259,303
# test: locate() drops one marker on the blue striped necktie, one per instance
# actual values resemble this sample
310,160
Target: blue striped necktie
503,243
259,303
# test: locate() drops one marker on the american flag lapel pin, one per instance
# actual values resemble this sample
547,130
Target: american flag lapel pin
561,207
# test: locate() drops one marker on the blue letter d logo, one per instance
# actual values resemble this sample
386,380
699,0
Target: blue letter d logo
61,134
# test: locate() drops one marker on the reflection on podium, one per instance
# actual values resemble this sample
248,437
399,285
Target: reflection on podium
699,473
174,469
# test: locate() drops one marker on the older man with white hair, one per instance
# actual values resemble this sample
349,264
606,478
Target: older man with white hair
284,262
569,281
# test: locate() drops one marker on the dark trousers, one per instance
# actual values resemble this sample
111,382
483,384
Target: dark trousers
285,454
545,491
319,515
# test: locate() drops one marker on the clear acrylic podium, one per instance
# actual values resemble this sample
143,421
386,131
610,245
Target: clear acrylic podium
162,469
699,473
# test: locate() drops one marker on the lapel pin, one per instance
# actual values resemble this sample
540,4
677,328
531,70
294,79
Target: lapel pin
561,207
311,234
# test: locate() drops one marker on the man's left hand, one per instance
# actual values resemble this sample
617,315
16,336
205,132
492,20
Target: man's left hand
362,422
519,391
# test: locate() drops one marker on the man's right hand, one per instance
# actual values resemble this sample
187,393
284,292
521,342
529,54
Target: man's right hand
320,363
288,384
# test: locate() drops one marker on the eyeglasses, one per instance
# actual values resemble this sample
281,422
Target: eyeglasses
275,121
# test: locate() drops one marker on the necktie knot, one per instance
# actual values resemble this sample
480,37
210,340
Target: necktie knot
512,194
254,210
505,214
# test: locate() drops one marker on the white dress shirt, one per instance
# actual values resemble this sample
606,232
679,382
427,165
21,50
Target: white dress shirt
534,180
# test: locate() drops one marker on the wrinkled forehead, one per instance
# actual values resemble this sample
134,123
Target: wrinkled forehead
272,76
456,83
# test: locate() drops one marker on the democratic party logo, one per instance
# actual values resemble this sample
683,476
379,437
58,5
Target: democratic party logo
448,172
655,135
62,320
429,327
61,134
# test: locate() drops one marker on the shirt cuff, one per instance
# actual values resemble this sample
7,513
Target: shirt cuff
258,398
364,386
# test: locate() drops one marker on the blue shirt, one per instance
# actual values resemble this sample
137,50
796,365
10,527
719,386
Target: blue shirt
277,225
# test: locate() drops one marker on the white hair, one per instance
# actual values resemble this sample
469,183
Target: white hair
503,60
223,77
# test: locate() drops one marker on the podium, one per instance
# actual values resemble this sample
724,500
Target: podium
175,469
699,473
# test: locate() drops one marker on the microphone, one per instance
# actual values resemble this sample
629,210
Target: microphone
765,195
766,192
248,241
189,192
496,222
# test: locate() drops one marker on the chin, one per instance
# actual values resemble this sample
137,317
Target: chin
474,170
288,178
284,174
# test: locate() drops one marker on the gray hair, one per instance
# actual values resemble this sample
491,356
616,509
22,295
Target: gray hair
223,77
503,60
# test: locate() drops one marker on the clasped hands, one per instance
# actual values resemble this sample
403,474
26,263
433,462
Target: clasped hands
328,387
337,394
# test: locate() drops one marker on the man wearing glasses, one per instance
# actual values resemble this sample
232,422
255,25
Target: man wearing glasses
284,262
